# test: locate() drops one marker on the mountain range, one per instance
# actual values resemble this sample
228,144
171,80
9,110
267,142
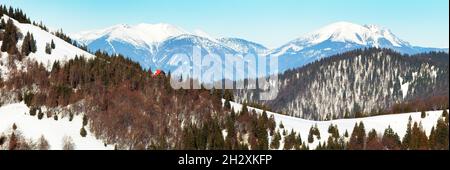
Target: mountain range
153,45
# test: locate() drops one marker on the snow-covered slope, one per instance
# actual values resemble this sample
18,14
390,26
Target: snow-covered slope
54,131
397,122
63,51
338,38
243,46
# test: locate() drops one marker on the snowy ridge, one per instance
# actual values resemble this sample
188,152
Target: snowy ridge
349,32
63,51
397,122
138,35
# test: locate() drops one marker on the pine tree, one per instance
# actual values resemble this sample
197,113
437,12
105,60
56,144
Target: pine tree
52,44
432,139
85,120
40,114
445,116
423,114
275,143
43,144
390,139
28,44
373,141
442,132
13,142
48,48
357,139
2,24
311,135
10,38
281,125
406,142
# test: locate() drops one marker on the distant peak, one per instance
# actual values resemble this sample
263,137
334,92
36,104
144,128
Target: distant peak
350,32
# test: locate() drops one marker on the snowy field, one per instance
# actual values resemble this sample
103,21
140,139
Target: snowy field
54,131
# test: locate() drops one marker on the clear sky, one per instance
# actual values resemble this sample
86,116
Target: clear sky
270,22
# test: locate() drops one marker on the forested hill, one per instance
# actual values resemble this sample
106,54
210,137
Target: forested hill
360,83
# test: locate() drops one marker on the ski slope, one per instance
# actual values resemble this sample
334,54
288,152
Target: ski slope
54,131
397,122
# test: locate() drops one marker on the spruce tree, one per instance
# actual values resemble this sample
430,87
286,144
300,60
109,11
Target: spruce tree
423,114
10,38
48,48
406,142
275,143
52,44
442,132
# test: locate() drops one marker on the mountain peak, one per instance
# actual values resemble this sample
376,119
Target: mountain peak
372,35
142,34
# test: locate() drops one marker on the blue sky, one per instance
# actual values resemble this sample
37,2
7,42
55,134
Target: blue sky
270,22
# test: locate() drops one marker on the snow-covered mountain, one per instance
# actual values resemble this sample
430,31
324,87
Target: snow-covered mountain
147,43
243,46
156,46
139,42
338,38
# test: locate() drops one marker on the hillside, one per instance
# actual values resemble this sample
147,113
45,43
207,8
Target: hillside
360,83
397,122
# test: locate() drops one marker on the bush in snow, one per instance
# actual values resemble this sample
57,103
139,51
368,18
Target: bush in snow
85,120
43,144
14,126
40,114
48,48
423,114
68,143
33,111
2,140
83,132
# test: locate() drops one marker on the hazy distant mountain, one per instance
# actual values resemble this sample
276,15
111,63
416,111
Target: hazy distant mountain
338,38
153,45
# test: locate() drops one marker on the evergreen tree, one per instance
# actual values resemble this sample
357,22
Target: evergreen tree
390,139
48,48
52,44
423,114
406,142
28,44
2,24
346,134
275,144
10,38
445,116
432,139
441,138
373,141
311,135
357,139
419,139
